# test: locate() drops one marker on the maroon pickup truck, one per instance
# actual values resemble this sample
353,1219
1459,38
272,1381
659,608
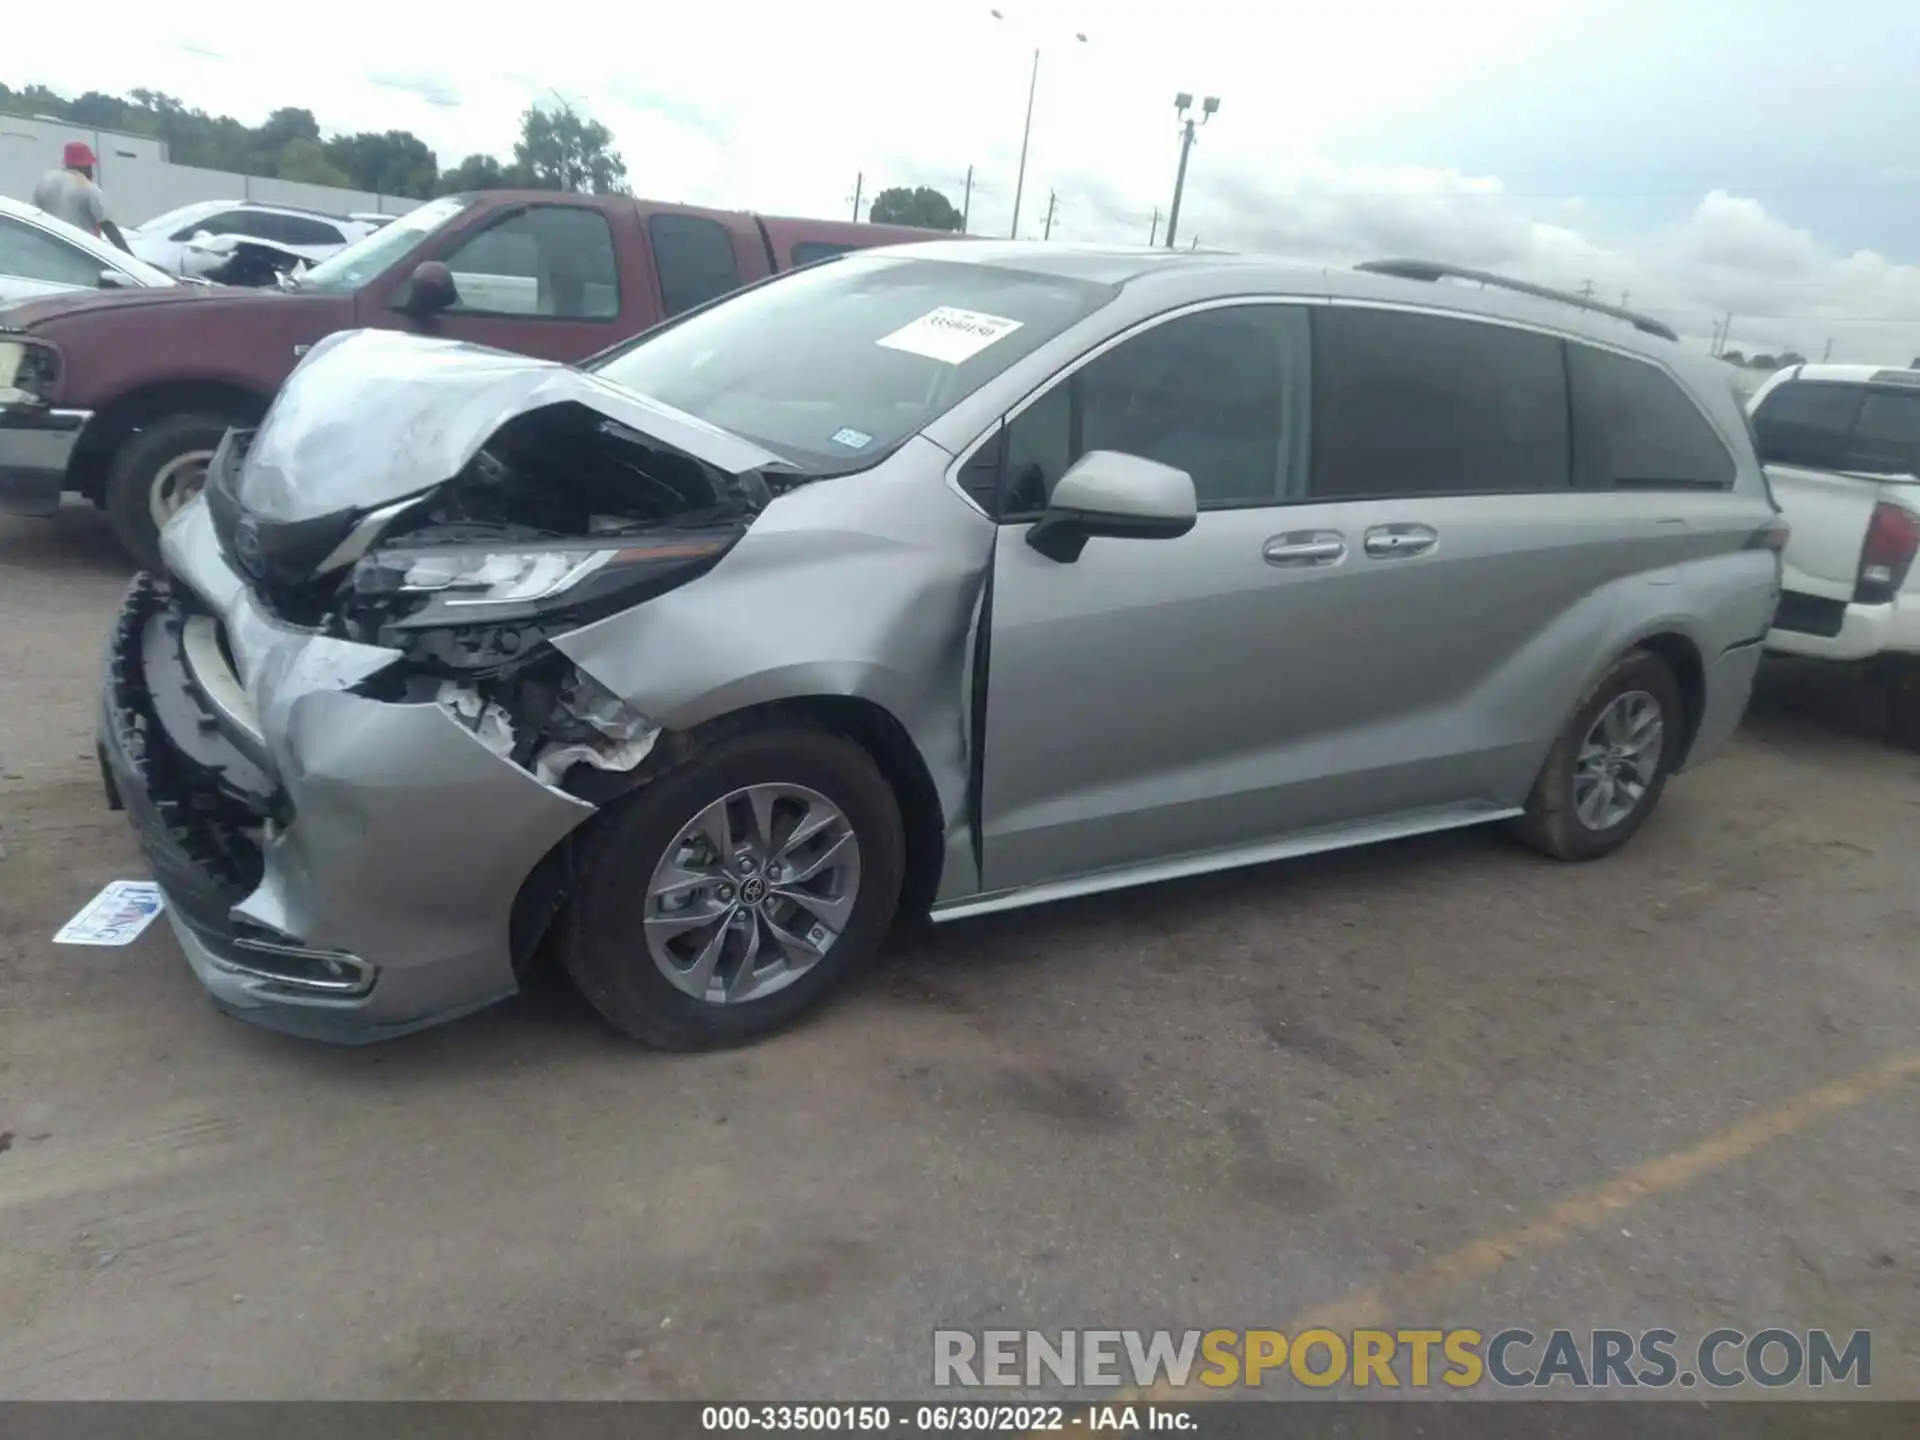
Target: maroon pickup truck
122,395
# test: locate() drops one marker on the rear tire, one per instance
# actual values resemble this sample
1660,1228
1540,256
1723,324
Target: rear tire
1579,808
657,831
153,473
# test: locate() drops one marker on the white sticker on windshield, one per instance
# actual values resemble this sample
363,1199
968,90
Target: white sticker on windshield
853,439
949,335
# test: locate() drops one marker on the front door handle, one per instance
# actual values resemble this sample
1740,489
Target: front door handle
1299,548
1388,542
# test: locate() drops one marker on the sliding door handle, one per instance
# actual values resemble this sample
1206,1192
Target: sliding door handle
1299,548
1387,542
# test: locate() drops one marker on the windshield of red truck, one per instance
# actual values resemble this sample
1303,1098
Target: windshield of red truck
835,365
376,253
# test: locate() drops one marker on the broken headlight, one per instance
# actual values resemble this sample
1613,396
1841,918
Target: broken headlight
437,586
29,372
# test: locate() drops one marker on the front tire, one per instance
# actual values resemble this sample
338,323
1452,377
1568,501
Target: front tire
154,473
1607,770
726,896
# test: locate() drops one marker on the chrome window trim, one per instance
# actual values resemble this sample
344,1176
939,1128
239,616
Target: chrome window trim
1221,302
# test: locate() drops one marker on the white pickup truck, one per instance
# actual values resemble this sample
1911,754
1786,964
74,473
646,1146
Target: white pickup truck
1841,446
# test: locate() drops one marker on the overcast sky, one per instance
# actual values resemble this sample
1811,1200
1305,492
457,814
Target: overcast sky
1700,155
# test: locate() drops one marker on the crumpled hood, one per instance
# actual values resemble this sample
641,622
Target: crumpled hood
373,416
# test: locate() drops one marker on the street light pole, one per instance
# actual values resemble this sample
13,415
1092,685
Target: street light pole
1026,130
966,204
1026,134
1182,103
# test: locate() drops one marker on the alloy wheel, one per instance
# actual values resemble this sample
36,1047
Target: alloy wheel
1618,760
752,893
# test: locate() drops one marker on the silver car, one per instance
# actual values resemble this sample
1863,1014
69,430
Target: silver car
943,579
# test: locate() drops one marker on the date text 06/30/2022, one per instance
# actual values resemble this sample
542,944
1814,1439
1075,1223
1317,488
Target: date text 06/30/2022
940,1419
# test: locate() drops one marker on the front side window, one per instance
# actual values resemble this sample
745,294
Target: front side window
1217,393
835,365
32,254
1886,436
1635,429
550,261
1418,404
694,258
221,222
1806,423
299,230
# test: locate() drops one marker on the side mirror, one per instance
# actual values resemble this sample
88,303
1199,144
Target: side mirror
430,288
1109,493
116,280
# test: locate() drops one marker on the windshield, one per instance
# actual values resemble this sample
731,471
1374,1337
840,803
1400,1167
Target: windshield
835,365
374,254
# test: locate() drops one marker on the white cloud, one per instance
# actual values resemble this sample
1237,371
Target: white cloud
779,109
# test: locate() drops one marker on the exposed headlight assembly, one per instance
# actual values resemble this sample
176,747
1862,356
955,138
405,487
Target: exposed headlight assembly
409,592
29,372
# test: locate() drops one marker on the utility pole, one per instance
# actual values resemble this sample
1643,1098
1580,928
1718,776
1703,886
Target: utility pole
966,204
1053,208
1153,235
859,179
1726,333
1827,354
1625,295
1586,291
1182,103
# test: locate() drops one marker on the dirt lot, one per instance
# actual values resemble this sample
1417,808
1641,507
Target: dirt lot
1441,1083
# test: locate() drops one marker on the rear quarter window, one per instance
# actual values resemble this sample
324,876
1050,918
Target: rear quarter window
694,259
1635,428
807,252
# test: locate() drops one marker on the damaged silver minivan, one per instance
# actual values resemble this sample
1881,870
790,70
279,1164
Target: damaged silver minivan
932,580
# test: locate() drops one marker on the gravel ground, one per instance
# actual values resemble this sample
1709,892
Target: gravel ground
1439,1083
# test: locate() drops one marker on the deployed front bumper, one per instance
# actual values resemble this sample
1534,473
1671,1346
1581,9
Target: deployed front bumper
336,866
35,448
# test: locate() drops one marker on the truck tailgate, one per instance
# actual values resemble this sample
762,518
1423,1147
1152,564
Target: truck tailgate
1829,515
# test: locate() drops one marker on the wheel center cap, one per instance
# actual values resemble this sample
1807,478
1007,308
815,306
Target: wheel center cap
753,890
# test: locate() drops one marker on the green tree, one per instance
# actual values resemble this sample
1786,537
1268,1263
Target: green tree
560,150
393,162
283,127
477,172
306,161
923,206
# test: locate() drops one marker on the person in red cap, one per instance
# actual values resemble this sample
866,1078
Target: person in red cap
69,194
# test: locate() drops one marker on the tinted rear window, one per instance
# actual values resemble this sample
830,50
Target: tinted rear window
1886,435
1806,423
834,365
695,260
1408,404
805,252
1635,428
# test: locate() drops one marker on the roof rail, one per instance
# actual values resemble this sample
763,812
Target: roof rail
1438,270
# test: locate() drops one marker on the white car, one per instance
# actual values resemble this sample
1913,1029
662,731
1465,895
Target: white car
1841,445
41,255
312,235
